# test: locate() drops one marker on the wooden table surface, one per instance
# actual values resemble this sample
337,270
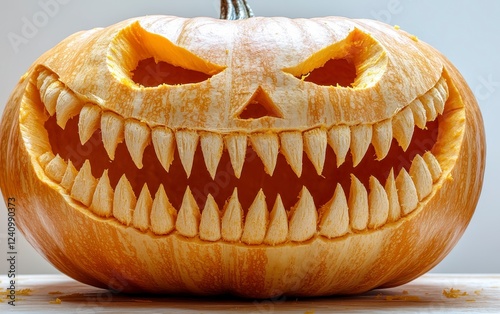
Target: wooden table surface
430,293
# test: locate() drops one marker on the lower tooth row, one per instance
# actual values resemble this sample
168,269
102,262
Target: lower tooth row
363,209
62,102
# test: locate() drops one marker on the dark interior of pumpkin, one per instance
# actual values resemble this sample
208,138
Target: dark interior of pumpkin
284,181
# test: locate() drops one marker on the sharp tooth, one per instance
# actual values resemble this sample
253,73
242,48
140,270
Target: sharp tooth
43,87
433,165
210,228
45,159
84,186
90,120
430,109
256,221
421,176
212,146
51,95
124,201
335,218
50,88
358,205
137,138
187,142
304,218
112,129
382,138
403,127
292,147
361,138
102,201
278,224
438,102
315,143
164,144
45,78
419,114
266,145
237,148
378,203
408,198
339,138
443,88
142,211
188,220
163,214
393,198
440,96
232,220
68,106
56,168
69,176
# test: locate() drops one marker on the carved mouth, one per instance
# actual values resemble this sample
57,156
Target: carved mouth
271,188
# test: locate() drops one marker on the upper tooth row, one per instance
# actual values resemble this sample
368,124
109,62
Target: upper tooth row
362,209
137,135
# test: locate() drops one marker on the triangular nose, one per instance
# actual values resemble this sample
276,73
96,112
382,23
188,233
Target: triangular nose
260,105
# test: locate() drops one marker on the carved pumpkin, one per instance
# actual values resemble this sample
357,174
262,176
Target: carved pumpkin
259,157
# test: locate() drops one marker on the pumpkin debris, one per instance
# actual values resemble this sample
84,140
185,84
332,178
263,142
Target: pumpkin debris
454,293
56,301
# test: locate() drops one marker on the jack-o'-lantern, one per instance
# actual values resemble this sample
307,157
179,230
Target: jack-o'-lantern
257,157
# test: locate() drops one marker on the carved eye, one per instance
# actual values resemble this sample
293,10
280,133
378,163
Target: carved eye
150,60
150,73
358,61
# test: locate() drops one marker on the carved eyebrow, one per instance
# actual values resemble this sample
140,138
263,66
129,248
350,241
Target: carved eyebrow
147,59
358,61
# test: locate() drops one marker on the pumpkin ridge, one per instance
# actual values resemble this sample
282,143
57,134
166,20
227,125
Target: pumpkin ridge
54,167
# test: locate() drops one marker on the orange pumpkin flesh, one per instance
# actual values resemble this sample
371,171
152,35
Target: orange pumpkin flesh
312,167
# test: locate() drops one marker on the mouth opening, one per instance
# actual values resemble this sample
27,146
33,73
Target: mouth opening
345,171
284,181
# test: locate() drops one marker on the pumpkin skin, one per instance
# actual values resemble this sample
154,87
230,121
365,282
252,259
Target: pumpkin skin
272,176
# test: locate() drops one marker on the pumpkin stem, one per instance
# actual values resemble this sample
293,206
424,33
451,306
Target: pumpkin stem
235,10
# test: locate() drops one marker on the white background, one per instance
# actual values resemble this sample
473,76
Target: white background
464,30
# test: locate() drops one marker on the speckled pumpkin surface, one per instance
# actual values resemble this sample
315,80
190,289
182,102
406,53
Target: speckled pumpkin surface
259,157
